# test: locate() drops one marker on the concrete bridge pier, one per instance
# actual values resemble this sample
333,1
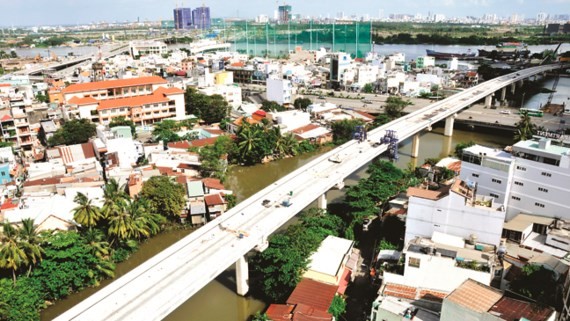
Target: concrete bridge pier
513,87
449,121
488,100
242,276
503,94
520,83
322,202
416,145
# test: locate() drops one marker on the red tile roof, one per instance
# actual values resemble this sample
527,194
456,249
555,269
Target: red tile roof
117,83
314,294
213,183
344,281
184,144
214,131
82,101
475,296
305,129
426,193
400,291
214,199
6,118
130,102
511,309
8,205
304,312
5,85
279,312
203,142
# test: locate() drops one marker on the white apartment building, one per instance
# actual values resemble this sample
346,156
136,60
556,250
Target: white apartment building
232,94
533,179
454,210
147,47
280,91
366,74
290,119
442,263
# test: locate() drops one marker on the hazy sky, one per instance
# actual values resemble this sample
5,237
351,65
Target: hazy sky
52,12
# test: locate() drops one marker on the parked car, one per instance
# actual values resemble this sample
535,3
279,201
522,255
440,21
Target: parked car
506,112
366,101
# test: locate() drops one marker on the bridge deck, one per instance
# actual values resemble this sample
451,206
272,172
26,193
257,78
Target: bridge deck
155,288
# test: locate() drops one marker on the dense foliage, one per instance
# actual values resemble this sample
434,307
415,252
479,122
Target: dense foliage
269,106
343,130
538,283
525,128
211,109
76,131
255,142
461,146
165,196
282,264
302,103
394,106
338,306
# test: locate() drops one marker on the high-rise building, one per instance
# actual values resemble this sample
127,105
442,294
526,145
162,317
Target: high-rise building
182,18
201,18
284,13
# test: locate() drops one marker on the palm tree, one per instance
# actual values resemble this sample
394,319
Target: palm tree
30,242
290,144
525,127
96,240
249,138
115,197
86,214
12,254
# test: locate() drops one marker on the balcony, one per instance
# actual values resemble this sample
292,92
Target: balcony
24,133
22,124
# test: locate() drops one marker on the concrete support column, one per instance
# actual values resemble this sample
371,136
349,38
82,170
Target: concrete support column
447,145
449,126
520,83
513,87
322,202
415,145
488,101
503,93
242,276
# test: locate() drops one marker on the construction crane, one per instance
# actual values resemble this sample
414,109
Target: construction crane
556,79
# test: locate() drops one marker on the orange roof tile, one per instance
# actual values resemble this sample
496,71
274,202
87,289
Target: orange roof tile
168,91
5,85
213,183
117,83
184,144
314,294
475,296
400,291
8,205
279,312
427,194
214,199
82,101
131,101
305,129
6,118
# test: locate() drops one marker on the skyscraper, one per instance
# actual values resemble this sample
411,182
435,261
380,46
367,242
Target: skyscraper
201,18
182,18
284,13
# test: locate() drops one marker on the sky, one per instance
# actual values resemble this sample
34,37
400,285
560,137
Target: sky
57,12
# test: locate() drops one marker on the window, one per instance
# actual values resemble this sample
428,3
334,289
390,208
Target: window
3,173
516,198
475,175
539,205
414,262
519,183
494,195
546,174
541,189
498,181
520,168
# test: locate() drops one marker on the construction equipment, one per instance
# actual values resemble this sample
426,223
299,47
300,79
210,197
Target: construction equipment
239,233
359,133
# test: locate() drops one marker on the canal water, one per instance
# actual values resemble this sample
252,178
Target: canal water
218,301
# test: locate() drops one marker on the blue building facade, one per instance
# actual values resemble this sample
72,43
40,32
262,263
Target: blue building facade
201,18
183,18
5,173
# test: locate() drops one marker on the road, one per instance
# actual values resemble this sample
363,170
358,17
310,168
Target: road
155,288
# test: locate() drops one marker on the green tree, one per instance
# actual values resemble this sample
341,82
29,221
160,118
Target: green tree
525,128
380,120
122,121
114,199
368,88
302,103
211,109
249,144
537,283
165,131
76,131
258,316
269,106
42,98
85,214
12,252
30,242
165,196
385,245
343,130
394,106
22,301
461,146
6,144
338,306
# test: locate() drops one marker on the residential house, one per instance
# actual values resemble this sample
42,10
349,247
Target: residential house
475,301
216,205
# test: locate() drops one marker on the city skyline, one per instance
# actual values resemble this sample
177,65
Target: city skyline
25,13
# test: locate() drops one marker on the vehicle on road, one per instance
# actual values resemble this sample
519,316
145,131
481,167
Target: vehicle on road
266,203
321,97
335,158
505,112
366,101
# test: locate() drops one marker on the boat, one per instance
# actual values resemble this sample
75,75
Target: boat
448,55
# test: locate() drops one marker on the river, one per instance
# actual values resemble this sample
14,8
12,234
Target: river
218,301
